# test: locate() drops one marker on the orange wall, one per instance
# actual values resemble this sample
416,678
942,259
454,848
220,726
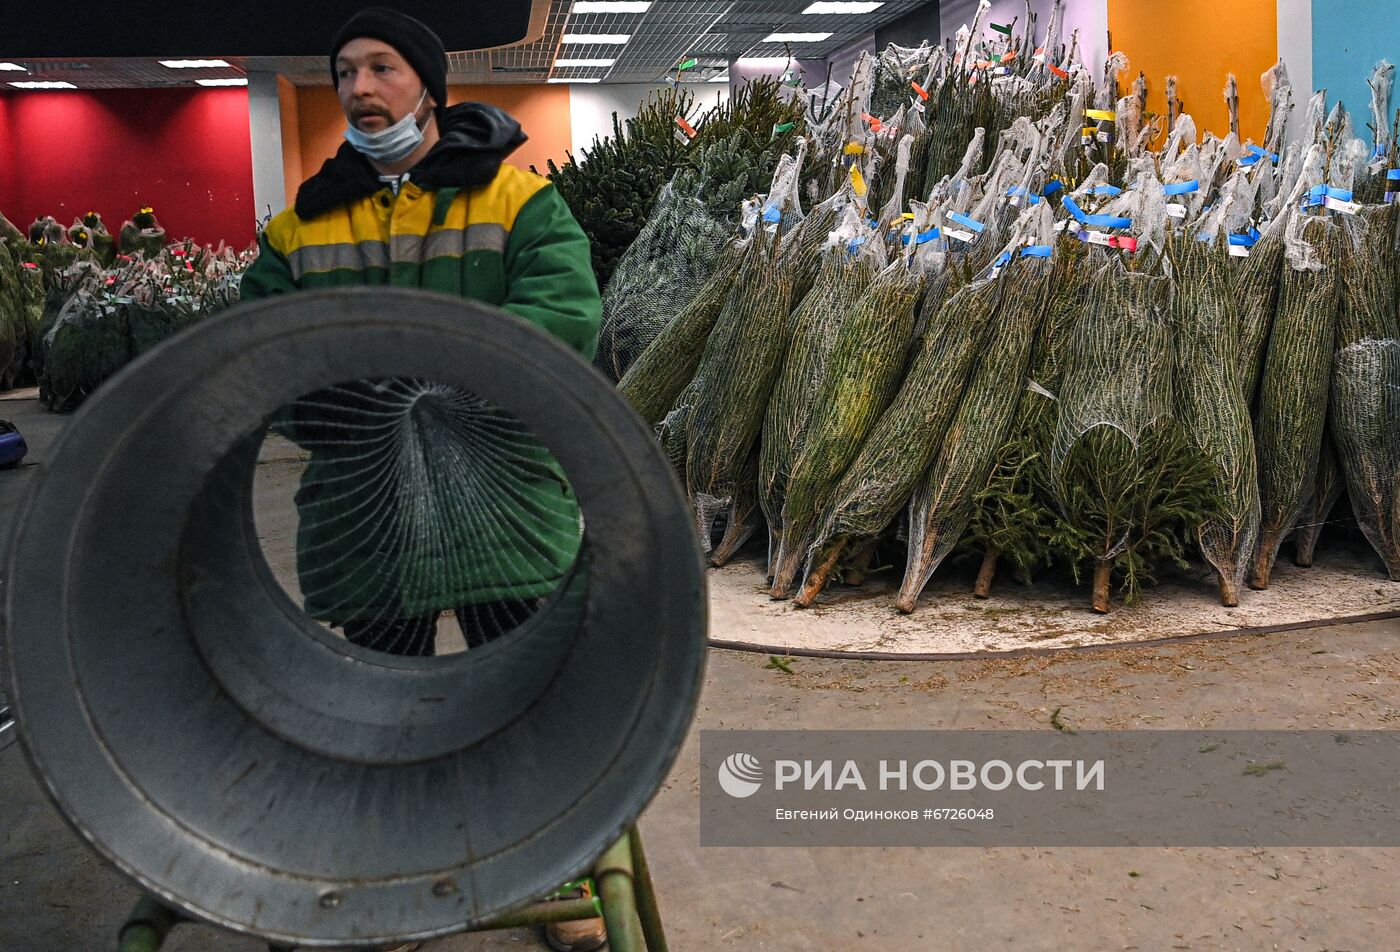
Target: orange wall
1199,41
542,111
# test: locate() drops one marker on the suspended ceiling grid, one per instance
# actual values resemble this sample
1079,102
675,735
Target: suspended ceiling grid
712,31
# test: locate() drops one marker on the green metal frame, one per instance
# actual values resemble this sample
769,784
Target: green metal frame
625,893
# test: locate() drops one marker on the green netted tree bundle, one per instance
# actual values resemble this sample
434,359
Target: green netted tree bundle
1130,486
812,334
744,516
610,189
1210,403
1365,412
1327,492
736,376
1015,515
862,376
90,341
945,500
14,317
1293,388
952,113
654,381
897,68
899,447
658,275
804,246
1257,282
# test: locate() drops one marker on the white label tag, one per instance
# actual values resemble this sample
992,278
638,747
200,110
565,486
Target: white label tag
1176,211
1096,237
1239,251
1337,205
959,235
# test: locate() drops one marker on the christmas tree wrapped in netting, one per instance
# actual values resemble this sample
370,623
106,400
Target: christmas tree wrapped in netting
862,376
1294,384
1365,412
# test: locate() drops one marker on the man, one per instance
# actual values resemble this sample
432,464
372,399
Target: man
418,197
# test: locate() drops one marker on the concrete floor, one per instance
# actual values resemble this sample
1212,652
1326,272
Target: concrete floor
56,896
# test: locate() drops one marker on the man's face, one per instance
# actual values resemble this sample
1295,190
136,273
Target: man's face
376,85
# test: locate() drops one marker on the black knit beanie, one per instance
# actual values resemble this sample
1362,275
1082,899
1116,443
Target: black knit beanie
415,41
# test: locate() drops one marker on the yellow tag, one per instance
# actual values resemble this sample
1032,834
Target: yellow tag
858,181
907,216
854,148
1102,114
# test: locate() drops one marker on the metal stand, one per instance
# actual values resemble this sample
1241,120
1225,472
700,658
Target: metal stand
626,899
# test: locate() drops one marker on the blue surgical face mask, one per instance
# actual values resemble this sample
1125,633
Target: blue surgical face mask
393,144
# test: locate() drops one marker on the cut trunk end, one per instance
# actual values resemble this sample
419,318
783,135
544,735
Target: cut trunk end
1103,576
1305,543
785,573
985,575
1263,565
1229,591
775,543
817,580
735,535
917,571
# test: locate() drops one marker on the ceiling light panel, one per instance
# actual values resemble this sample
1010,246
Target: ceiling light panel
613,39
843,6
195,64
43,85
13,66
796,37
611,6
223,82
600,62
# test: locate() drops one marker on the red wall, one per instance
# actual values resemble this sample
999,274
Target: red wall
184,152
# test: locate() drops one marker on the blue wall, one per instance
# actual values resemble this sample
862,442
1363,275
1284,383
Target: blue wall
1349,37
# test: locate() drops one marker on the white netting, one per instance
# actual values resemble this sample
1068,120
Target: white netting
417,499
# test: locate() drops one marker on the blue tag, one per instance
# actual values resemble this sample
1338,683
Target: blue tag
1263,153
1002,259
1377,152
962,219
1103,221
1183,188
771,214
1105,190
1317,195
1393,175
855,243
1249,160
922,237
1017,191
1037,251
1243,241
1053,186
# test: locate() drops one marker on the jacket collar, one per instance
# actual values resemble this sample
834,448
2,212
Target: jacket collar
475,139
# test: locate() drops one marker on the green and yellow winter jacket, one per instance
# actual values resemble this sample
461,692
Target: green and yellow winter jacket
462,223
